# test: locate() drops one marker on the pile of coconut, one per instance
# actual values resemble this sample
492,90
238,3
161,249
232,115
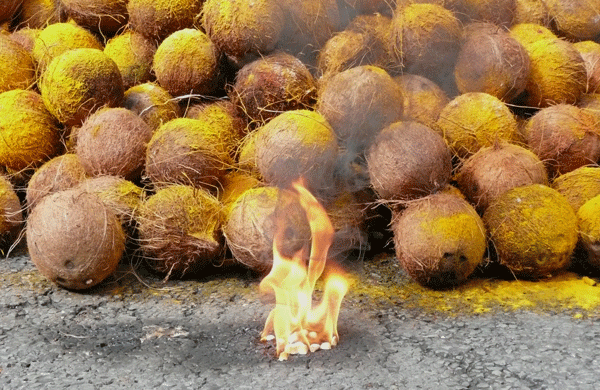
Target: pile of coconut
457,134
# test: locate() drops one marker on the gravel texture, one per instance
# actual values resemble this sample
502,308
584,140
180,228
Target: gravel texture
135,332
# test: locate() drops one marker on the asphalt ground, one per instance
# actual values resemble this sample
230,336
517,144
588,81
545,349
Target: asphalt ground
135,331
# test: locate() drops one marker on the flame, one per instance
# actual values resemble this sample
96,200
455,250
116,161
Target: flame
294,323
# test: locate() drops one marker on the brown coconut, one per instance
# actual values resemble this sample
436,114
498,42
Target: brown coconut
590,52
423,99
180,230
152,103
348,218
60,173
564,137
40,13
25,37
157,19
579,185
297,144
408,160
8,9
499,12
252,222
106,17
531,11
244,30
187,151
73,239
133,54
187,62
496,169
494,63
11,215
575,19
439,240
270,85
113,141
235,183
17,69
533,230
474,120
72,96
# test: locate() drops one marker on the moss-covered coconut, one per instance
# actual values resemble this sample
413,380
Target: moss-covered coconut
423,99
17,69
157,19
73,239
113,141
180,230
152,103
533,230
30,134
439,240
133,54
79,82
106,17
579,185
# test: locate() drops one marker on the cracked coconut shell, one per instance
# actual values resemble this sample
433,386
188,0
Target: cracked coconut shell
30,134
152,103
133,54
157,19
533,230
17,69
79,82
113,141
73,239
106,17
408,160
439,240
180,230
252,222
579,185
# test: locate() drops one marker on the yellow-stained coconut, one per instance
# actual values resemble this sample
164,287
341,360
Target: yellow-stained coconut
11,216
133,54
579,185
589,230
17,69
152,103
423,99
40,13
157,19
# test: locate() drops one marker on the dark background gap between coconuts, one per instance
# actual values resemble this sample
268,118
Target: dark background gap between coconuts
384,107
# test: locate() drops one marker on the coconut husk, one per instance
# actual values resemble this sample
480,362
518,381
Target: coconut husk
579,185
529,33
252,222
40,13
423,99
113,141
574,19
246,155
408,160
531,11
152,103
589,230
17,69
60,173
180,231
235,183
8,9
348,218
564,137
271,85
11,216
496,169
106,17
439,240
26,38
72,216
133,54
159,19
499,12
533,231
590,52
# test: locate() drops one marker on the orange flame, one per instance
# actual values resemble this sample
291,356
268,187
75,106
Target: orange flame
294,323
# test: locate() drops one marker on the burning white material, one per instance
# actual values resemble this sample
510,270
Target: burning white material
296,326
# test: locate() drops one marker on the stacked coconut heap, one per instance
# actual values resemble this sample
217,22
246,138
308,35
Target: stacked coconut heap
174,128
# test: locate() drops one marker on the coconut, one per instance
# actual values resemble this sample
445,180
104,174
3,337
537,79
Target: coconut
60,173
564,137
351,9
528,33
474,120
309,24
8,8
268,86
494,63
575,19
241,29
113,141
533,230
496,169
590,52
30,134
133,54
59,38
235,183
425,40
11,216
26,38
295,144
579,185
531,11
180,230
152,103
74,239
106,17
589,230
159,19
557,73
439,240
224,116
423,99
187,62
253,220
348,218
40,13
246,155
358,103
71,96
408,160
187,151
499,12
17,70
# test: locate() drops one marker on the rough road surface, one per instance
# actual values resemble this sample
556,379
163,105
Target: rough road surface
134,332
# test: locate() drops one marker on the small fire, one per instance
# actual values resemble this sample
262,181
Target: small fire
296,326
